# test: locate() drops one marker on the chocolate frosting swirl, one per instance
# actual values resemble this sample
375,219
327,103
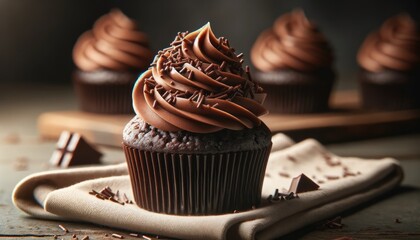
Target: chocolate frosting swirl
396,46
198,85
114,43
292,43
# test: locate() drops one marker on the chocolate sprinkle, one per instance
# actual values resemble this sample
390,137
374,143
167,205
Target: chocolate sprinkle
63,228
107,194
334,223
115,235
330,177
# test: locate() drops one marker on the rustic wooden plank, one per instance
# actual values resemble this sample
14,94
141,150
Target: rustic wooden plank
96,128
374,220
14,225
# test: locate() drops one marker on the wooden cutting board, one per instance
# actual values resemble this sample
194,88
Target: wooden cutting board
346,121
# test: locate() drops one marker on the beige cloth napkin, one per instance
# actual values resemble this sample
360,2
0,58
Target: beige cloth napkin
63,195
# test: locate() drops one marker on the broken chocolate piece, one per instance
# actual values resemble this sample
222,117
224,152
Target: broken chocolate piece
302,183
72,149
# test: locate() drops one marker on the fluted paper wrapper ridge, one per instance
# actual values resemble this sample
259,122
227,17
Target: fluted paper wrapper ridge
197,184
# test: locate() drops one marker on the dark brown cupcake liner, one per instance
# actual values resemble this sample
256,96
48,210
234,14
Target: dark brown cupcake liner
196,184
389,97
106,98
297,98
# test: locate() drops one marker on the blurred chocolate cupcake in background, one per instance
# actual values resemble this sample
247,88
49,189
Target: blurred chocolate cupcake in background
109,59
294,65
390,63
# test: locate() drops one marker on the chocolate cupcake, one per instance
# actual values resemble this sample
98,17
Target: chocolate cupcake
197,146
294,65
109,59
390,62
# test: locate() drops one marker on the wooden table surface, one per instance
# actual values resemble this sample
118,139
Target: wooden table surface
22,152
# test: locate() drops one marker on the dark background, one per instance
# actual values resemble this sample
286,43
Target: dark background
36,37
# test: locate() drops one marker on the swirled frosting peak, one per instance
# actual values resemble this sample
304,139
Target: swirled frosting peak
114,43
292,43
198,85
395,46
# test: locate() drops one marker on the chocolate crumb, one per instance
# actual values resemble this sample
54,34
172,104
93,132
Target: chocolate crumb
320,182
291,158
12,138
63,228
21,164
114,235
283,174
74,235
397,220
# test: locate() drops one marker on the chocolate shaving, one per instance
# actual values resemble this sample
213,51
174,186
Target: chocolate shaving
397,220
